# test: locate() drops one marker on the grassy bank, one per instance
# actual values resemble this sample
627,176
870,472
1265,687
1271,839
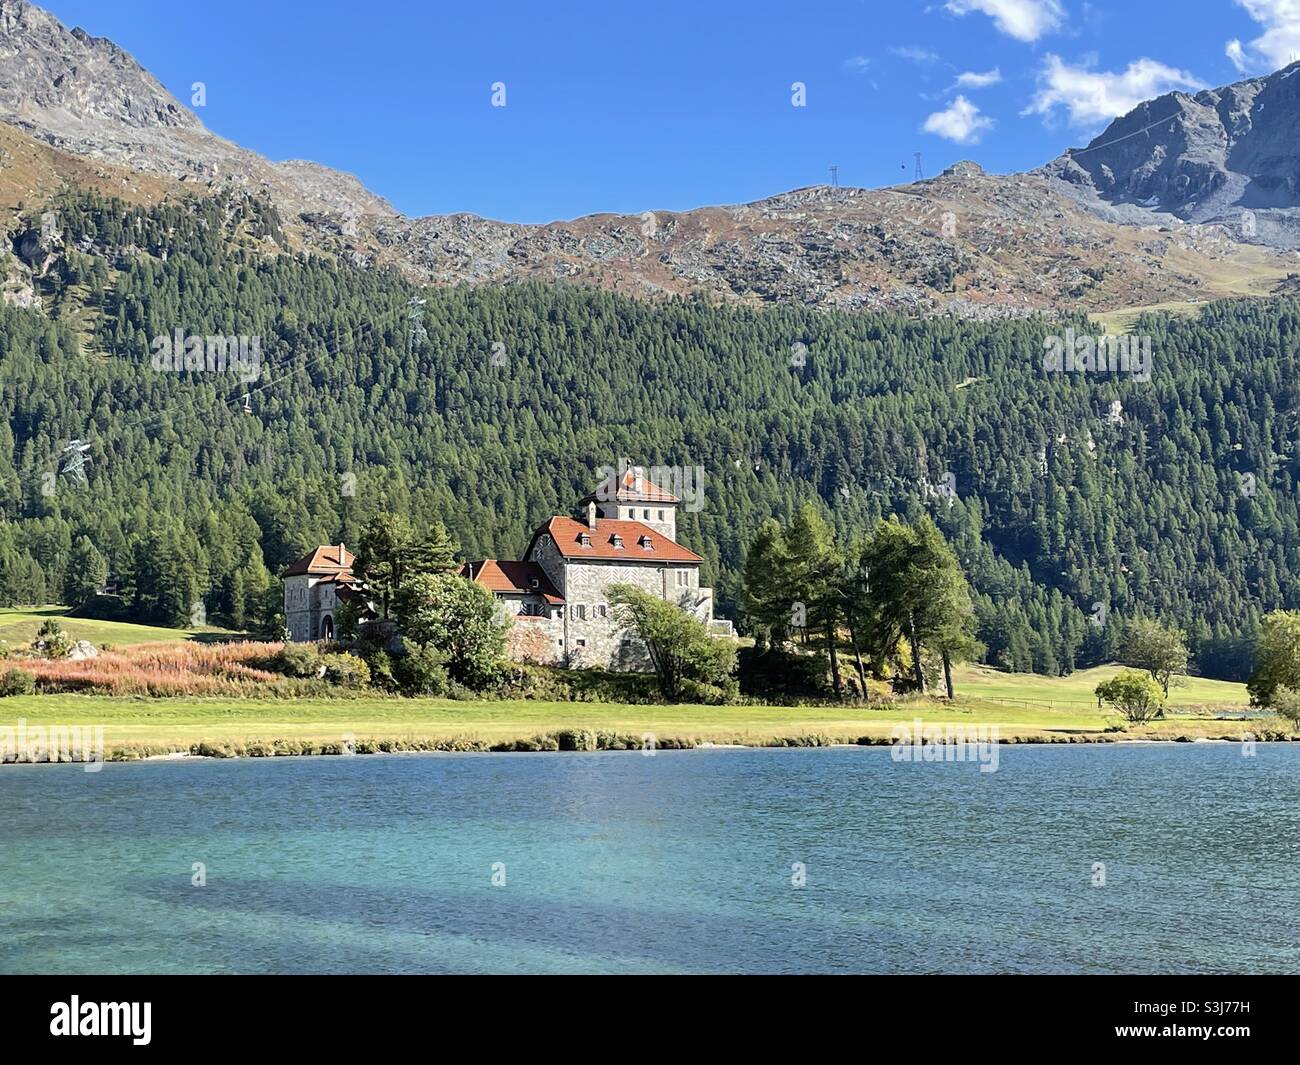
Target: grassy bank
215,700
1076,690
251,726
18,626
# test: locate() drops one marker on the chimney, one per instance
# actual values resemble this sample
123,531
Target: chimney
591,515
638,481
342,552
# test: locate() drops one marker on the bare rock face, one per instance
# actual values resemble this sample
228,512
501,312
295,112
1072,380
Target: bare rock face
74,81
87,96
1227,155
38,246
966,243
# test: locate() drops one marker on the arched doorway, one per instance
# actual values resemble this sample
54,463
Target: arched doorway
327,629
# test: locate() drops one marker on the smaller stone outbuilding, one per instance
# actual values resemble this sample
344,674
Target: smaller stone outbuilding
315,587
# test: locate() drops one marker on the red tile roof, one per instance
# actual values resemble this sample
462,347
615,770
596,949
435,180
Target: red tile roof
633,487
512,578
343,578
330,559
567,534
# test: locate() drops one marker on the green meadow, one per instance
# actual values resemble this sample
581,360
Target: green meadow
178,724
1076,690
1022,706
18,625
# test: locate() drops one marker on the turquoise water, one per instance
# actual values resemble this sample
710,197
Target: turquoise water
680,862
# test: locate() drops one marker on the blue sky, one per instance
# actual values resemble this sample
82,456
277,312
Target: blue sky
622,106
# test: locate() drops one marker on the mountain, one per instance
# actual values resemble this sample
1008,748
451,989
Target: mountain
966,243
1169,495
1173,496
1225,155
87,97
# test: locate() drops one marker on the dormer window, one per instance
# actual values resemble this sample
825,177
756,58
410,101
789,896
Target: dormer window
647,543
534,582
585,540
618,541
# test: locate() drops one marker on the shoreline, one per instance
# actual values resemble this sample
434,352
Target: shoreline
580,741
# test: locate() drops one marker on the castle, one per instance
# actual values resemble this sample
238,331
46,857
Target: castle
557,595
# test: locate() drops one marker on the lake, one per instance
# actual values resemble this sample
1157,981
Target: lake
784,861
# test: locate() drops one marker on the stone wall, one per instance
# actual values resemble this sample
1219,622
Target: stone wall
297,608
547,555
592,636
660,517
307,603
536,639
585,630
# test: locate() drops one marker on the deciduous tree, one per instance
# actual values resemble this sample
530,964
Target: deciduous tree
1134,694
1160,650
680,647
1277,657
457,617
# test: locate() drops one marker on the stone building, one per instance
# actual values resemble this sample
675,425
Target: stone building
557,596
315,587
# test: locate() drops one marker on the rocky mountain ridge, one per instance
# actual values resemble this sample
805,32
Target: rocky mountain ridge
966,243
1227,155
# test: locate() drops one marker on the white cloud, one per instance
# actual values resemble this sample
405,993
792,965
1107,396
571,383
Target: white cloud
1234,51
857,64
916,55
1277,46
1092,96
973,80
961,122
1025,20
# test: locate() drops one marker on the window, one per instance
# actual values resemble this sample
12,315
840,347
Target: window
661,515
534,582
602,611
586,540
579,611
618,542
647,514
582,643
647,543
683,578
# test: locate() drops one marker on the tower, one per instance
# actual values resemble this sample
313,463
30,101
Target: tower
629,494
